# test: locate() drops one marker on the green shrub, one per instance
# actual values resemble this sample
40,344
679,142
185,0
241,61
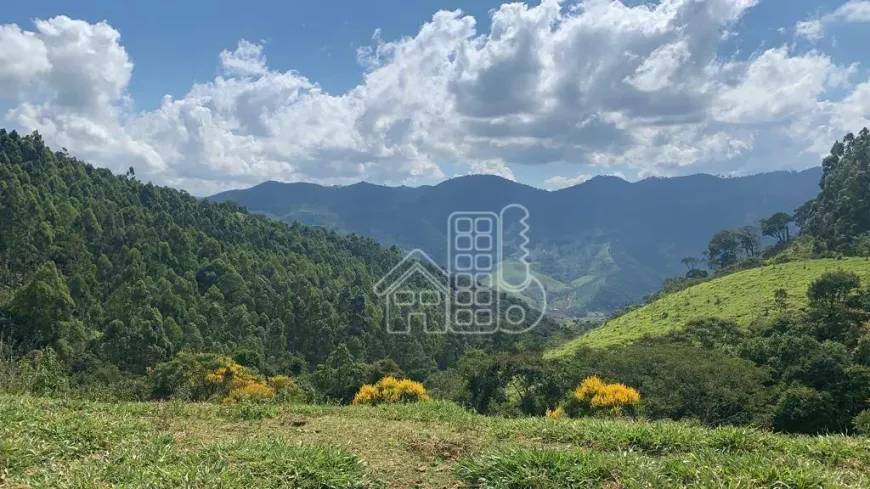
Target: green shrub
39,372
803,410
862,422
286,389
679,381
185,376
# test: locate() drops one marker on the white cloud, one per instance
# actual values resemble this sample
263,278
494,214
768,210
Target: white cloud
657,71
602,84
809,29
854,11
246,60
491,168
89,71
776,85
22,57
558,182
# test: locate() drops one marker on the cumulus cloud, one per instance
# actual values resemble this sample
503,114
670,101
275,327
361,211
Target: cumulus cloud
639,89
23,57
246,60
658,70
559,182
777,85
852,11
810,29
491,168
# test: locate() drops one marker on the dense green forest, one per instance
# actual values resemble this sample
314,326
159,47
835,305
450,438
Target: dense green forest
117,276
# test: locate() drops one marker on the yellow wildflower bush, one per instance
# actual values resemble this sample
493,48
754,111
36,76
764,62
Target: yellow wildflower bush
368,394
233,382
615,396
595,396
588,388
251,392
555,413
391,390
213,377
282,382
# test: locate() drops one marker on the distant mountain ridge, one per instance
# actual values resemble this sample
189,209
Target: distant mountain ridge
596,246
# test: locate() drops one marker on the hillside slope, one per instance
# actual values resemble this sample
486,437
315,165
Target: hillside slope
741,296
116,274
601,244
65,444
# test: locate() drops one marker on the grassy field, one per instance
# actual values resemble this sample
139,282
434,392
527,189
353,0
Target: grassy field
742,296
75,444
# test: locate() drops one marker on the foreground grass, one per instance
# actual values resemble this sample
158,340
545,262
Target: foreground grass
743,297
65,444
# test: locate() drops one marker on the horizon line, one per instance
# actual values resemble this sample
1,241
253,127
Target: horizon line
499,177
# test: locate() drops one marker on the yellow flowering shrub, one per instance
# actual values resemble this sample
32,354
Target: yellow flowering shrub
213,377
391,390
595,396
233,382
555,413
250,391
368,394
286,389
615,396
281,382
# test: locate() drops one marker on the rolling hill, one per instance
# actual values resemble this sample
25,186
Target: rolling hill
597,246
741,296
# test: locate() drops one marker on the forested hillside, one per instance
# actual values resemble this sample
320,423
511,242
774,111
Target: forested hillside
596,246
117,276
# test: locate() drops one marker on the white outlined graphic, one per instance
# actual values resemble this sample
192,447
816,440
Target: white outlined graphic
393,288
471,291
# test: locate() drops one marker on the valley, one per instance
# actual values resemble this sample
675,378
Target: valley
597,246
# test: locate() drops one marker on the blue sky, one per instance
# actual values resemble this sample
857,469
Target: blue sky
174,44
546,94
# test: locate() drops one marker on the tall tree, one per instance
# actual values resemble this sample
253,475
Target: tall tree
777,226
839,217
749,241
830,291
690,262
42,309
724,249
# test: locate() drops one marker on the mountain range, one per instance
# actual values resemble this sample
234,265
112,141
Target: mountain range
595,247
